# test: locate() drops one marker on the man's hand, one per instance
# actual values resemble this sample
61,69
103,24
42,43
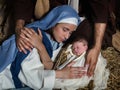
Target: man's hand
92,58
93,54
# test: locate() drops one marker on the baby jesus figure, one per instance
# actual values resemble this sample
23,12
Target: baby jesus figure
76,51
72,52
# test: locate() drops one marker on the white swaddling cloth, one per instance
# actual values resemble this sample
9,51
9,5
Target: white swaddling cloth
100,77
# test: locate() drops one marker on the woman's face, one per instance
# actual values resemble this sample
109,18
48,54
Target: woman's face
62,31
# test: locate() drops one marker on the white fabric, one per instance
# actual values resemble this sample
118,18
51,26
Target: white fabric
73,21
100,75
82,18
71,57
34,75
74,4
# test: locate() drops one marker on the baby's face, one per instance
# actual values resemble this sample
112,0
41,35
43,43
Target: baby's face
79,47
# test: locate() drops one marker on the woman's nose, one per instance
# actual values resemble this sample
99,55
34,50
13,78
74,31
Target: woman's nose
67,35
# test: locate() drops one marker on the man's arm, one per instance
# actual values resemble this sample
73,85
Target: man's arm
23,12
99,34
100,16
93,54
19,25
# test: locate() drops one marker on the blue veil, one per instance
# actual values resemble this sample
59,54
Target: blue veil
57,14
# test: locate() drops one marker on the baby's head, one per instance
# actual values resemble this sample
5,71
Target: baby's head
79,45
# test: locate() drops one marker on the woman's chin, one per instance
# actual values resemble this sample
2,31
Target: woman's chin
59,41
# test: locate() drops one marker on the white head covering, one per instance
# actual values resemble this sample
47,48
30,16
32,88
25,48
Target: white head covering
73,21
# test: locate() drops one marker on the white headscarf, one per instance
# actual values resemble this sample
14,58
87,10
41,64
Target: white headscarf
73,21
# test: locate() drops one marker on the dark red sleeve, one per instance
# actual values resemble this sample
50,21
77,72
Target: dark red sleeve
100,10
24,9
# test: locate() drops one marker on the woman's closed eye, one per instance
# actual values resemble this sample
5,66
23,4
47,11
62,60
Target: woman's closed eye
67,30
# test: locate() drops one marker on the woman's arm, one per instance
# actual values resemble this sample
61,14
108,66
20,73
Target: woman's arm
33,71
44,57
36,41
22,44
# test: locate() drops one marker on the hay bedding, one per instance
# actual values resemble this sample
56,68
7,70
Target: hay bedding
113,58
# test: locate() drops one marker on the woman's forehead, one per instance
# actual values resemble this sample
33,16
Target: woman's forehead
67,26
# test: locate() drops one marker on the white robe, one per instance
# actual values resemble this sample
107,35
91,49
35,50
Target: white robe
33,75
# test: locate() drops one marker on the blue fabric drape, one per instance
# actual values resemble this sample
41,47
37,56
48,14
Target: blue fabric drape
8,51
57,14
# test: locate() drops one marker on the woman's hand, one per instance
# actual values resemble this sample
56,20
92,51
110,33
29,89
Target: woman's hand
21,42
70,72
35,39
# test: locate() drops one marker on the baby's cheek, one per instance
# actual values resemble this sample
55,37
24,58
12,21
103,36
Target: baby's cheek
83,49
